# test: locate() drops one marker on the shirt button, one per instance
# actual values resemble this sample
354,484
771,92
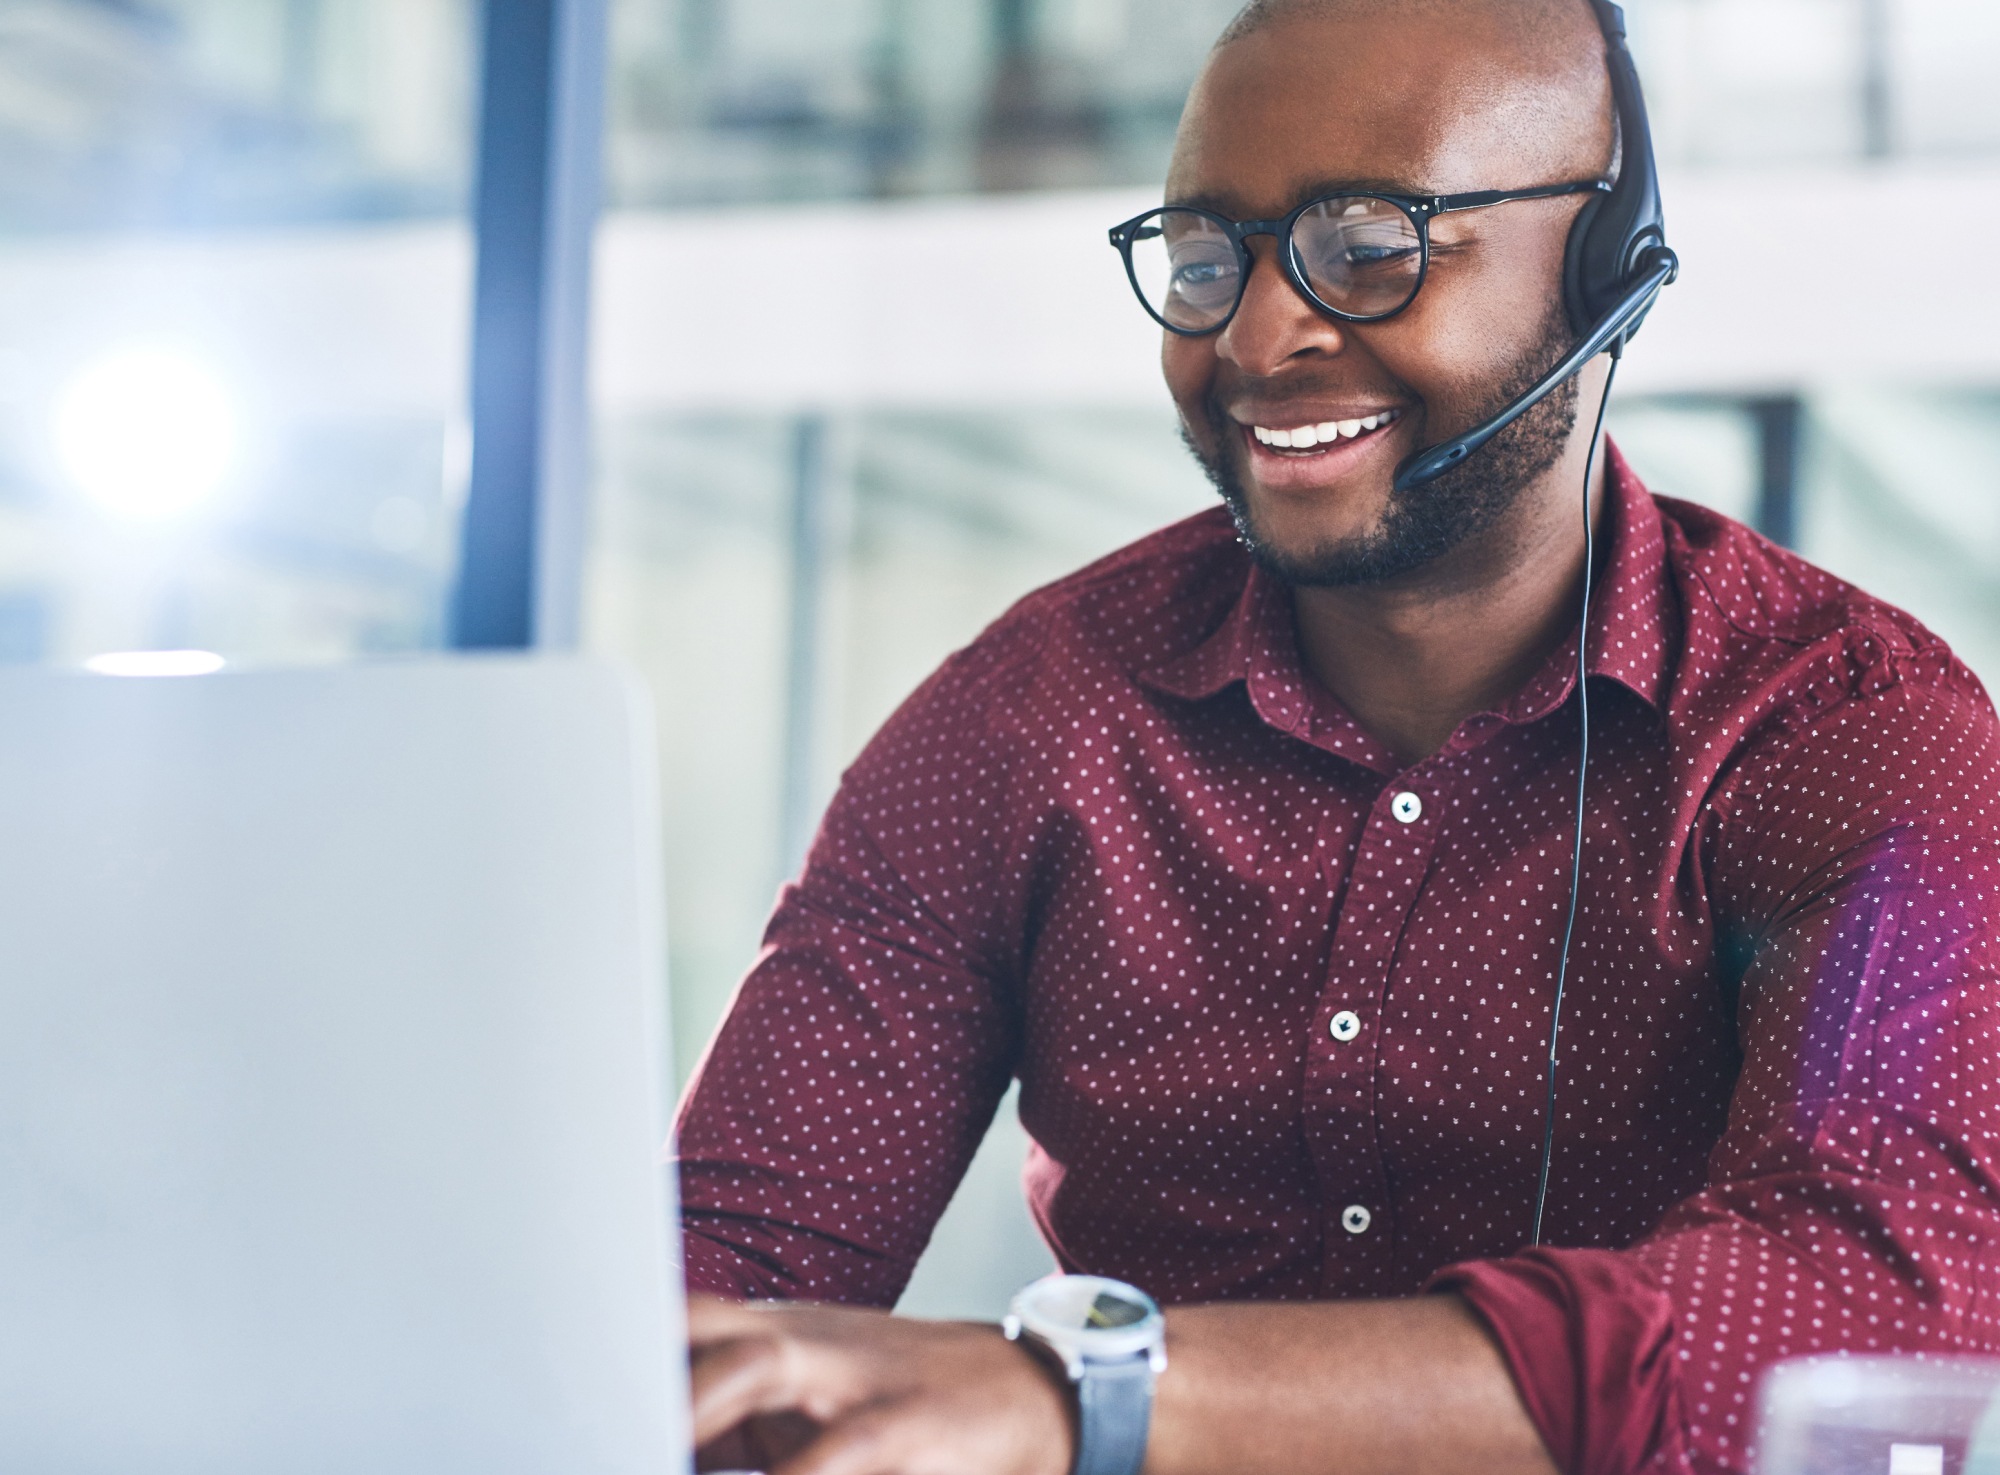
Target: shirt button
1344,1026
1407,807
1355,1219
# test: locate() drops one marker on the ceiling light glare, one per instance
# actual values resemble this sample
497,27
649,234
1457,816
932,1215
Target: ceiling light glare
156,663
147,434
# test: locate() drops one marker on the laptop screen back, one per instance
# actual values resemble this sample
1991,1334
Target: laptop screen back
329,1127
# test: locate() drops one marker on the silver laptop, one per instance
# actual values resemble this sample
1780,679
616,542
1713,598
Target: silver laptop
329,1035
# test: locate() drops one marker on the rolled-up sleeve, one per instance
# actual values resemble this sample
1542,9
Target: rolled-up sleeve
1853,1203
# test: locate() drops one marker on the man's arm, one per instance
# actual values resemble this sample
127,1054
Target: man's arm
1853,1203
1357,1388
863,1057
846,1091
1360,1387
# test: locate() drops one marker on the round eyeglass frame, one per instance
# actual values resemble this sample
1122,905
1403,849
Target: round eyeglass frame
1421,210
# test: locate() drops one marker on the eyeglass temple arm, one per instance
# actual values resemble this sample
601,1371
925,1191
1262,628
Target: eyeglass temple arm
1480,199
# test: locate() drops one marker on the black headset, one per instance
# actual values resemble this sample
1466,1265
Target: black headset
1617,262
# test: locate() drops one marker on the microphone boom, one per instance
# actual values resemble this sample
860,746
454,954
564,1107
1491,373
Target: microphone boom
1659,267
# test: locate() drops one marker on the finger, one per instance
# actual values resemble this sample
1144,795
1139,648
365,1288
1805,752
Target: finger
774,1438
728,1451
880,1439
737,1380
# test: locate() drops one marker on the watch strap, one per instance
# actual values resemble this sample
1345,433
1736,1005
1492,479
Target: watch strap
1115,1411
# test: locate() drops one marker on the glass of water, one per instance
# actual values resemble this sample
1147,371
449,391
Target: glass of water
1880,1416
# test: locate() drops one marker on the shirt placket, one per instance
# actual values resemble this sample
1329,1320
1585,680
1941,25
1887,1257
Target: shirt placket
1341,1086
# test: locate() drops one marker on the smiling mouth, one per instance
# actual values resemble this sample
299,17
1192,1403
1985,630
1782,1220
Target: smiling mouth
1316,440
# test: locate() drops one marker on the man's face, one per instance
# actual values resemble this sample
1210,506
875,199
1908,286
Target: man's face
1419,105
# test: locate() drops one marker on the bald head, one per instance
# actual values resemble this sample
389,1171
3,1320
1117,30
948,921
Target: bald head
1523,80
1527,18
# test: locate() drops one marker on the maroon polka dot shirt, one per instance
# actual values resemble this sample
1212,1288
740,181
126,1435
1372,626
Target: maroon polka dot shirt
1279,1008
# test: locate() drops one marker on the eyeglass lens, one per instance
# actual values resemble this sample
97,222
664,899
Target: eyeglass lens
1361,256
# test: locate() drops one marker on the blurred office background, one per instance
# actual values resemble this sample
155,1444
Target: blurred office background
863,369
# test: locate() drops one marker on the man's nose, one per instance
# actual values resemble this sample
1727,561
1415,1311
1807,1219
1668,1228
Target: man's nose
1275,323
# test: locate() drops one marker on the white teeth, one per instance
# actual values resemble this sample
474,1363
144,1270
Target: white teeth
1305,437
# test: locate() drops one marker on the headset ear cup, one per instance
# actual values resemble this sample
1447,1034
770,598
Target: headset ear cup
1581,290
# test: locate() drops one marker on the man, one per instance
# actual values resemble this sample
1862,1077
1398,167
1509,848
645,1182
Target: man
1247,851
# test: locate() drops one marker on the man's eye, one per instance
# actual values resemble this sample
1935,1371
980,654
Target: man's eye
1363,256
1198,275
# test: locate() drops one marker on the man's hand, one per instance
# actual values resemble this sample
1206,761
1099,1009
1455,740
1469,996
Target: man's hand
822,1390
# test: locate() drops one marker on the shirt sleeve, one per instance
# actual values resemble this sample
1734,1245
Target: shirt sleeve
866,1051
1853,1203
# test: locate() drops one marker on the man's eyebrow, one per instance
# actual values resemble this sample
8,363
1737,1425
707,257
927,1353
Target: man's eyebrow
1221,204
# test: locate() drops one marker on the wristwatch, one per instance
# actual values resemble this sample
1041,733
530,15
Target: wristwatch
1112,1342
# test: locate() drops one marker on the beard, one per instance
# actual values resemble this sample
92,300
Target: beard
1426,522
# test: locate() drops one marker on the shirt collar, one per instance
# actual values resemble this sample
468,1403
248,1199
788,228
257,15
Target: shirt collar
1633,627
1634,617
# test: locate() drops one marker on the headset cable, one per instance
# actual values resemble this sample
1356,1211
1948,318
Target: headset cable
1582,786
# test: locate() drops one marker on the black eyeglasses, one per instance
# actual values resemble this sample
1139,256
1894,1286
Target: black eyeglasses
1361,257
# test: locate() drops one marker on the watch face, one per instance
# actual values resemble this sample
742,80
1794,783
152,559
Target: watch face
1108,1308
1089,1313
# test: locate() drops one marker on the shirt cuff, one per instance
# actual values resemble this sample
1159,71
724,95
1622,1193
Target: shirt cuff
746,1258
1590,1339
715,1268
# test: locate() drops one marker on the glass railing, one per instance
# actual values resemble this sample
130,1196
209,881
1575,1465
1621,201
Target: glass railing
180,113
191,112
799,99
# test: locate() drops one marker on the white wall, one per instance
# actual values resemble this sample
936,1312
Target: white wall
1792,280
996,300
